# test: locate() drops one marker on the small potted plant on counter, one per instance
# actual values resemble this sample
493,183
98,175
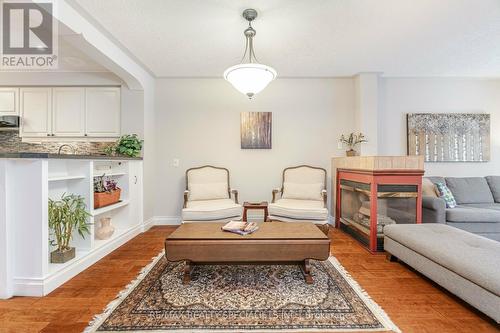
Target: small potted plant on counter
128,145
65,216
352,141
106,192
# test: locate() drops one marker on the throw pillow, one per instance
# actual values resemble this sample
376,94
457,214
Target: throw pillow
208,191
446,195
428,188
302,191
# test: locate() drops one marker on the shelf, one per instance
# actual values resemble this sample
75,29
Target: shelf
110,174
67,177
118,233
106,209
54,268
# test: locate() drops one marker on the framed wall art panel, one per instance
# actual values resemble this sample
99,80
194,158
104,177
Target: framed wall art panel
449,137
256,130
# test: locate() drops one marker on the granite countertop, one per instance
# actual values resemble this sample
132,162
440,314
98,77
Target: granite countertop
31,155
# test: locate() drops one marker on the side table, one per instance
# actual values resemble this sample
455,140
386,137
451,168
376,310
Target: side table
254,205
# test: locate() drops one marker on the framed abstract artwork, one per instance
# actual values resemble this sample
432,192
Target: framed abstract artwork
449,137
256,130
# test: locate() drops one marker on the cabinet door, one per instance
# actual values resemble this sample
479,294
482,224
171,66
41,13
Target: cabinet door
135,192
68,111
102,112
36,112
9,101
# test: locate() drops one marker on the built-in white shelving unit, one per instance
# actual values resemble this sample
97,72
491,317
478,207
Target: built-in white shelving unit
113,174
56,179
106,209
38,180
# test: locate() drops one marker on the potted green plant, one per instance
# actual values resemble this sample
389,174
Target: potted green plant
106,192
66,215
352,141
128,145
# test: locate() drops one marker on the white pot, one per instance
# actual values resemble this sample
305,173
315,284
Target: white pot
105,230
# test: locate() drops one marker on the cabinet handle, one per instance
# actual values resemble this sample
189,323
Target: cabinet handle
135,179
85,134
48,134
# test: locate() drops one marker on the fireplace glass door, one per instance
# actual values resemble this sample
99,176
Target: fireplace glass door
396,204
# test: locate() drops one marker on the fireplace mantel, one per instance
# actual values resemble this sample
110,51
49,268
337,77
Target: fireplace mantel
378,162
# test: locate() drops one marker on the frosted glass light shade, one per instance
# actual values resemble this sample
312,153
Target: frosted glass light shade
250,78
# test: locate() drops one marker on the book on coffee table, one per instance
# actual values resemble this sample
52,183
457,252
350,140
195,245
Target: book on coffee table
241,228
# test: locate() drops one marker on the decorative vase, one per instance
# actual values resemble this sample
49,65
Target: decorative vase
351,152
60,257
106,229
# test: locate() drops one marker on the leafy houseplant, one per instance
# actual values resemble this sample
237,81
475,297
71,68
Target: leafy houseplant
352,141
65,216
129,145
106,191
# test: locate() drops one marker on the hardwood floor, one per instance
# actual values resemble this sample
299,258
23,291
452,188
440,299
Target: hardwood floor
413,302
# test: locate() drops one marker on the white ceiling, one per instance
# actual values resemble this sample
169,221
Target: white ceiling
309,38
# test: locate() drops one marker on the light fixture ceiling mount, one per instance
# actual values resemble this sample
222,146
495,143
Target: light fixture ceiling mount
249,77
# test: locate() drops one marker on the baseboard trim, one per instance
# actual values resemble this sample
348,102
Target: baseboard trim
167,220
177,220
148,224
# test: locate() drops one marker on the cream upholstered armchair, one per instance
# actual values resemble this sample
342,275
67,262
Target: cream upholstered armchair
302,197
208,196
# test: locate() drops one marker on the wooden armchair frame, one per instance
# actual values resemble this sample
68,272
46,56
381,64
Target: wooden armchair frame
229,190
280,190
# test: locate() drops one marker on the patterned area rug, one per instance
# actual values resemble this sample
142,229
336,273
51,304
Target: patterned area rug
255,298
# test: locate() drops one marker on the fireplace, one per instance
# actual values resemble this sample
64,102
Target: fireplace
369,199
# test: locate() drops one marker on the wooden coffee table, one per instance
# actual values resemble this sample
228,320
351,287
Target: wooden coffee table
200,243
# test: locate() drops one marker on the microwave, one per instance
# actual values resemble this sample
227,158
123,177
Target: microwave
9,122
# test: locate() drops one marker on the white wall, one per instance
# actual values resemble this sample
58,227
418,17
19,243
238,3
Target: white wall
366,105
132,111
440,95
198,121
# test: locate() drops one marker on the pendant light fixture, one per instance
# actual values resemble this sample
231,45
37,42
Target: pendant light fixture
249,77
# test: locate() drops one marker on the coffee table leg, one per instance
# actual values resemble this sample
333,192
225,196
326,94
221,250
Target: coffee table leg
306,270
188,267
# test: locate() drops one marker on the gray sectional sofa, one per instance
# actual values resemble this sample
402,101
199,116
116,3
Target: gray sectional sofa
478,205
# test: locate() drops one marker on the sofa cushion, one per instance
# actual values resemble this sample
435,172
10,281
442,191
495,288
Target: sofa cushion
206,210
470,190
482,228
473,257
299,209
208,191
446,195
302,191
466,213
494,184
495,206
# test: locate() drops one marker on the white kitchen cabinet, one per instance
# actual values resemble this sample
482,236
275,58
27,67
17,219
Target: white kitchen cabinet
102,113
68,111
36,112
9,101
